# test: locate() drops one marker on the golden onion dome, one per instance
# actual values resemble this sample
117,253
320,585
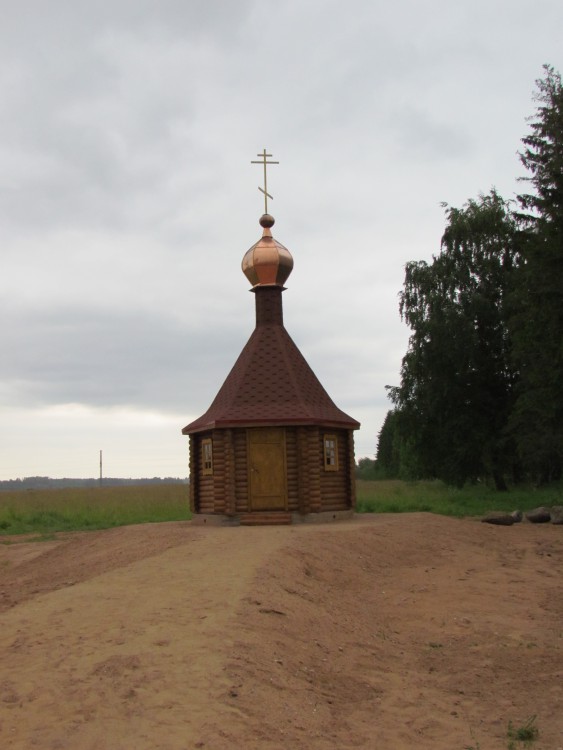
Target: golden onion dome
268,262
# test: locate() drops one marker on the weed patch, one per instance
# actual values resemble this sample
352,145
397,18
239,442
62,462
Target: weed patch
523,736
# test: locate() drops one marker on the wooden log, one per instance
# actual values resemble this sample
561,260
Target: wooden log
333,494
240,471
230,502
193,474
291,470
302,471
315,464
351,470
332,507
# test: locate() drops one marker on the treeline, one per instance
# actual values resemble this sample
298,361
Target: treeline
46,483
481,391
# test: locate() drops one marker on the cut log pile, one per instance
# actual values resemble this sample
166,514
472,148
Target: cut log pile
543,514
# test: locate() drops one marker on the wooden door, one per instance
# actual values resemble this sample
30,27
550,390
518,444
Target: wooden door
266,464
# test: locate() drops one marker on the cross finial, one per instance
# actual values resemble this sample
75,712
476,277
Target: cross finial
264,160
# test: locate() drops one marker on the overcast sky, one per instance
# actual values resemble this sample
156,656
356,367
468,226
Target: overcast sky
127,198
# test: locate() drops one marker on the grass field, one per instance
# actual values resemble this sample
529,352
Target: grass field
395,496
70,509
47,511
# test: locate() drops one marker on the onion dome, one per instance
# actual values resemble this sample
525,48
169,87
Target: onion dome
268,262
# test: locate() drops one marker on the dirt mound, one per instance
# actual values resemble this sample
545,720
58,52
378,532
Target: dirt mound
383,632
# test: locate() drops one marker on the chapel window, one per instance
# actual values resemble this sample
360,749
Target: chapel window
330,453
207,456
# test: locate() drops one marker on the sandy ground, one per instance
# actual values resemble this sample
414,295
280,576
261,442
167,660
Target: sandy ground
383,632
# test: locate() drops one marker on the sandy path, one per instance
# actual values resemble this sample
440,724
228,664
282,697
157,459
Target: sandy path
119,660
388,632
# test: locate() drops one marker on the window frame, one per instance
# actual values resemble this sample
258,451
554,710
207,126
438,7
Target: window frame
207,457
330,452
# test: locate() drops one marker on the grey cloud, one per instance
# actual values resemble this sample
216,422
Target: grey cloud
101,112
127,199
425,137
91,357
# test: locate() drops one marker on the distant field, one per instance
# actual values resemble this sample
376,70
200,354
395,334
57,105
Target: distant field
72,509
47,511
395,496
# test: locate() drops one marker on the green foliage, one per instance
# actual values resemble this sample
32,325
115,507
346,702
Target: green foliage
480,394
45,511
367,468
396,451
396,496
456,380
536,423
386,456
543,155
525,734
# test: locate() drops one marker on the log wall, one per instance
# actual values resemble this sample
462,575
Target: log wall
292,470
203,487
314,464
303,471
335,485
241,471
310,488
230,493
219,471
351,470
193,475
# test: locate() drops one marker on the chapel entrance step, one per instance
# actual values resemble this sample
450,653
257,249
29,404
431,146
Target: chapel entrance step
265,518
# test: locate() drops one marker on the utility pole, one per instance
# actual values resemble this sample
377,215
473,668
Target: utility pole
100,468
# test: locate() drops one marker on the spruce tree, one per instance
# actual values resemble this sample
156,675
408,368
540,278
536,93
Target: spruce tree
536,321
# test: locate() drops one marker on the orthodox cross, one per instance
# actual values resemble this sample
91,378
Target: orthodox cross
264,161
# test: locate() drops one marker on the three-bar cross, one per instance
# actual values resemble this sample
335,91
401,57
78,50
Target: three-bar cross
264,161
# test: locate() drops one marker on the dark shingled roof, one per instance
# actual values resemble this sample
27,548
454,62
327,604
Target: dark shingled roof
271,382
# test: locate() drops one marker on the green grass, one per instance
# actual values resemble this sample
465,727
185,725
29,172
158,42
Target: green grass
396,496
74,509
526,734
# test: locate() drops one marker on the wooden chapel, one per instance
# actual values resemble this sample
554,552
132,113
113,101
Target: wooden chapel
272,447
